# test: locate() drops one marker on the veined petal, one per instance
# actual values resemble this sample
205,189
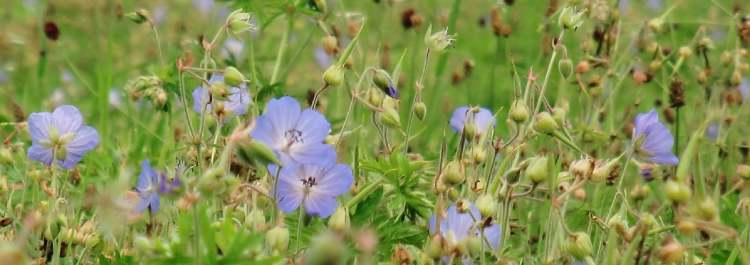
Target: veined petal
200,98
318,153
86,138
492,234
643,121
335,180
458,118
67,119
320,205
484,120
39,153
283,114
239,98
313,125
39,123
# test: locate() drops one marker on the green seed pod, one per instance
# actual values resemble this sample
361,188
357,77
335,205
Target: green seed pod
420,110
579,245
233,77
677,192
545,123
478,154
603,170
334,75
374,97
390,118
538,170
239,22
277,239
519,111
706,209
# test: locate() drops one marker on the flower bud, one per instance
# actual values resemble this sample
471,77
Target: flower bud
453,173
252,150
671,251
239,22
233,77
486,204
565,66
706,209
255,220
390,118
339,221
374,97
656,24
545,123
277,239
677,192
334,75
578,245
603,170
686,227
538,170
519,112
139,16
743,171
581,168
383,81
685,52
478,154
330,44
435,246
558,114
420,110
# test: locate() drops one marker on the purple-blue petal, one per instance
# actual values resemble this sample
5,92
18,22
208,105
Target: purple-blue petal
320,205
39,153
67,119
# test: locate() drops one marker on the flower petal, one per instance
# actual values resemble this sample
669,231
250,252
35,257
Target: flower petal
200,98
319,153
67,119
320,205
239,98
484,120
283,114
314,126
458,118
39,123
39,153
335,180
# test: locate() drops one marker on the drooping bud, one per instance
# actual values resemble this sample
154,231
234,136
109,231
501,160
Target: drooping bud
251,150
519,111
453,173
239,22
486,204
677,192
420,110
233,77
565,66
339,221
139,16
277,239
578,245
383,81
545,123
538,169
334,75
374,97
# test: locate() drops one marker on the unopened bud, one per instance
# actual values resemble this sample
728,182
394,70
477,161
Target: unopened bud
545,123
579,245
435,246
420,110
339,221
139,16
685,52
603,170
671,252
239,22
570,18
277,239
686,227
253,150
519,111
538,169
677,192
706,209
383,81
453,173
330,44
334,75
486,204
581,168
233,77
390,118
743,171
565,66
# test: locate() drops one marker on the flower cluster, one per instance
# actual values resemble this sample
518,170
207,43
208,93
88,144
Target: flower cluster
309,175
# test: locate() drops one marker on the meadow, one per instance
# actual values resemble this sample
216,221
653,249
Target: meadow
329,132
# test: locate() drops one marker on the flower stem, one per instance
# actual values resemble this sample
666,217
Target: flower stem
282,50
300,221
549,71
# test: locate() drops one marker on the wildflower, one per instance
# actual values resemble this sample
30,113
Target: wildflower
295,135
472,121
744,88
457,228
383,81
60,136
234,102
653,140
151,184
314,186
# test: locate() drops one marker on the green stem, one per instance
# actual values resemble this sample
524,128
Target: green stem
282,49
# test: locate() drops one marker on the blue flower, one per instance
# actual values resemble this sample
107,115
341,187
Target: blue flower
480,119
457,227
744,88
235,102
295,135
653,141
60,136
315,186
151,184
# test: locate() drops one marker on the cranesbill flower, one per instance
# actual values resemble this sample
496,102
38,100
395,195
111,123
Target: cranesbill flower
458,227
233,103
653,141
295,135
313,186
151,184
148,188
60,136
472,120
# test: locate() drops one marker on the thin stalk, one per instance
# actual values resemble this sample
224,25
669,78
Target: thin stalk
549,71
282,50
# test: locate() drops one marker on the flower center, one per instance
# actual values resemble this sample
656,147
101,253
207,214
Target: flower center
58,143
293,136
309,182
